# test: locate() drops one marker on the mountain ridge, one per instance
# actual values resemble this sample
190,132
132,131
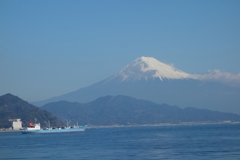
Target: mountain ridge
190,90
125,110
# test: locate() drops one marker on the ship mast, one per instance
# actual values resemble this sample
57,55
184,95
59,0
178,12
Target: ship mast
68,122
47,124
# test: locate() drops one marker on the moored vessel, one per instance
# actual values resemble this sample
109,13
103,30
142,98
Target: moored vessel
35,129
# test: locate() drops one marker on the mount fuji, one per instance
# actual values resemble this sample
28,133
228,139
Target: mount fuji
149,79
149,68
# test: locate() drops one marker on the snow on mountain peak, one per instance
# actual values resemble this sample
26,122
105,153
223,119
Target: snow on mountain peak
149,68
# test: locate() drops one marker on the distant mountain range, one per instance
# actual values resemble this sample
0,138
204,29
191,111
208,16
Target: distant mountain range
12,107
149,79
125,110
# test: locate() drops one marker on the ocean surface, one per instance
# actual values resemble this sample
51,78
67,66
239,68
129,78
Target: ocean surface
215,141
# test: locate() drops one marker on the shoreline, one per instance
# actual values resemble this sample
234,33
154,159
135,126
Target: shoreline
9,131
140,125
160,124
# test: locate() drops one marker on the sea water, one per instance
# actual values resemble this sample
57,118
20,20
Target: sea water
218,141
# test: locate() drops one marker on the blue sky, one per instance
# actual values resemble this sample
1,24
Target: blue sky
49,48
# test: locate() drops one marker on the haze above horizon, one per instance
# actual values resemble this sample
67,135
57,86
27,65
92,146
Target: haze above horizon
49,48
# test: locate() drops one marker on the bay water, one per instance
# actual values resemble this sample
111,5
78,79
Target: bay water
209,141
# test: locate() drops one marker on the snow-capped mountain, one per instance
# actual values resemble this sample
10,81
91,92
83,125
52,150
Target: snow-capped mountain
149,79
149,68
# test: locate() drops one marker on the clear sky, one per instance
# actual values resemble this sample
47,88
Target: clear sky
49,48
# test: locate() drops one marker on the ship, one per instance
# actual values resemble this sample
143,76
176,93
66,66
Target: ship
36,129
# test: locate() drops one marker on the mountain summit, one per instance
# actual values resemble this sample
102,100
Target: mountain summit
149,68
149,79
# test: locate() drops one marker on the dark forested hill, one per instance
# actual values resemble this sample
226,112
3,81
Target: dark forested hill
12,107
124,110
